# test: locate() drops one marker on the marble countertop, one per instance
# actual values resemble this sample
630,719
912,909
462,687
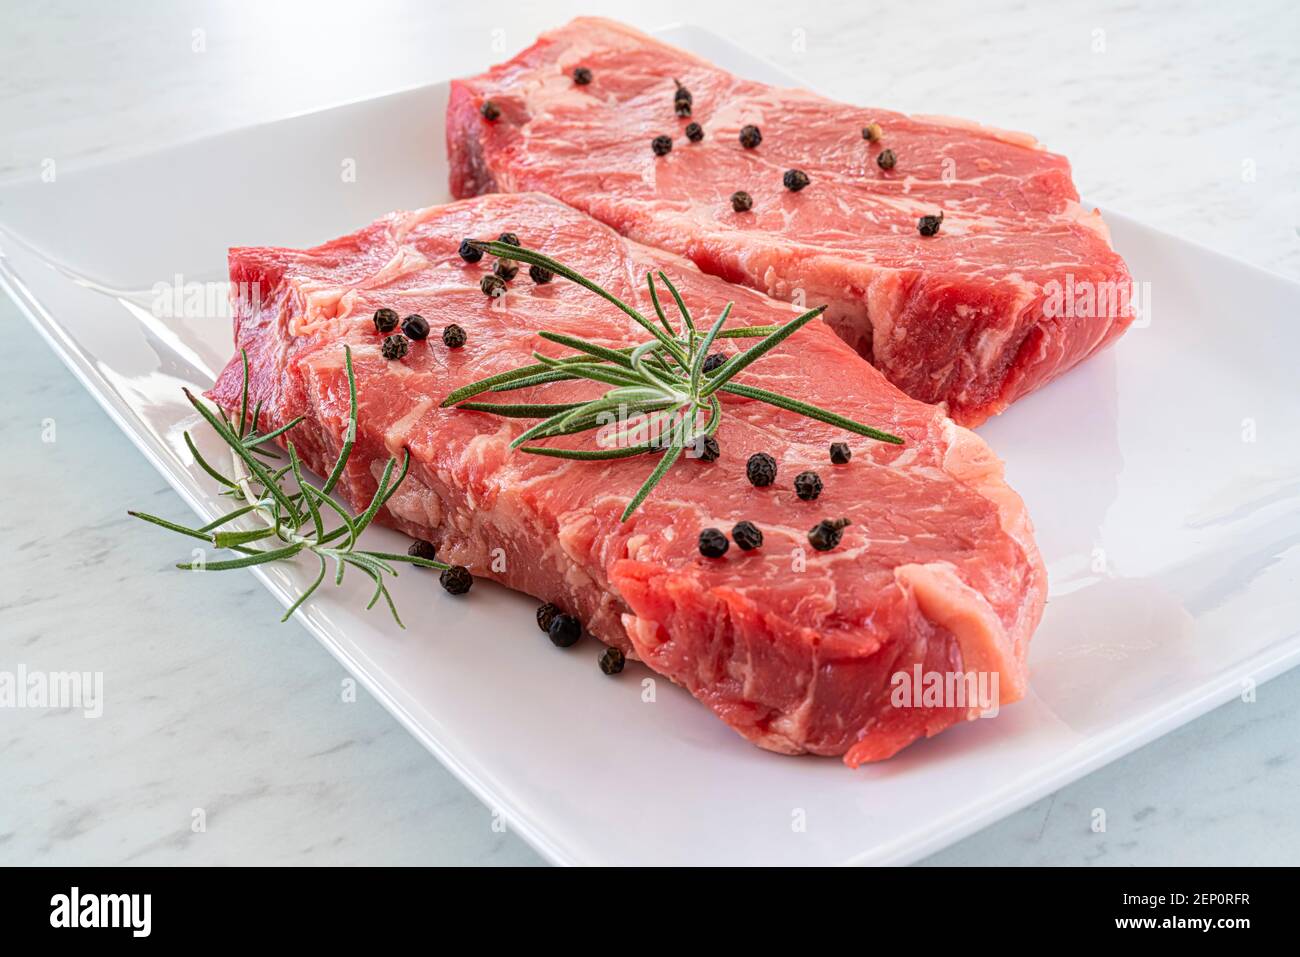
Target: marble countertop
217,707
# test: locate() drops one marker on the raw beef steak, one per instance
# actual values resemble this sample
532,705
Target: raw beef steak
969,316
793,648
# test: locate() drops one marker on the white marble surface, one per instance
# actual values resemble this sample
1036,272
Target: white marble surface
1181,114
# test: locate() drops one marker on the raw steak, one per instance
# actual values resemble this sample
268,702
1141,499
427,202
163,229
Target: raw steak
793,648
968,317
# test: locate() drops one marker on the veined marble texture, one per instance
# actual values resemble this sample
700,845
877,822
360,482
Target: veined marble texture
226,737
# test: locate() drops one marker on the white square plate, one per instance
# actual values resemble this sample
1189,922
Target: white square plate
1163,477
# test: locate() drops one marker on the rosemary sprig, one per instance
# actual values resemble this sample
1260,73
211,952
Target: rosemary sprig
293,518
660,382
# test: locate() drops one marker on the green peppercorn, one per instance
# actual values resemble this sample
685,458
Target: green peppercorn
840,453
826,534
795,180
456,580
750,136
416,327
453,337
468,252
747,536
565,630
611,661
662,145
713,544
385,320
807,485
545,615
506,269
493,285
694,132
712,361
741,201
872,132
929,225
581,75
395,346
705,448
422,549
760,469
886,159
490,111
540,274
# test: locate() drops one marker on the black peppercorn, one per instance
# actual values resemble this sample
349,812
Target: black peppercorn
385,320
540,274
712,361
416,327
886,159
422,549
741,201
493,285
506,269
490,111
456,579
682,107
565,630
840,453
682,95
750,137
510,239
807,485
795,180
581,75
760,469
611,661
545,615
713,544
747,536
662,145
694,132
395,346
453,337
469,253
705,448
929,225
826,534
872,132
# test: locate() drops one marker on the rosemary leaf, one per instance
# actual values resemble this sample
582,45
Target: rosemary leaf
588,455
257,440
203,463
681,306
308,593
759,349
668,461
698,368
810,411
590,348
659,309
312,510
520,410
256,558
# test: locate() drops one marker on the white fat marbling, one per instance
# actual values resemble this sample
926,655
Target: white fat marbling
1183,115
